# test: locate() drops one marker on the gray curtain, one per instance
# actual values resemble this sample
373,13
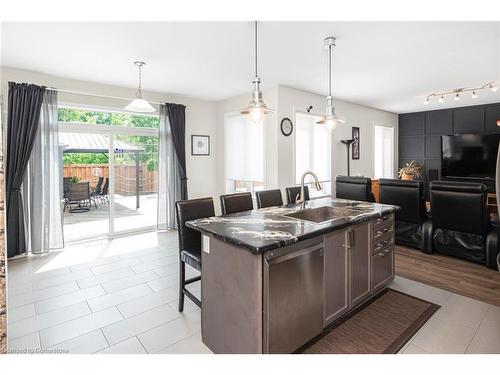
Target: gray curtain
177,118
169,177
42,184
25,102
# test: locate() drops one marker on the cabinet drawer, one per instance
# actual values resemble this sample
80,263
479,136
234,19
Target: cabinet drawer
383,243
382,268
383,221
385,228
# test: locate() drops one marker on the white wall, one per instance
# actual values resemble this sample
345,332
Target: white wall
291,100
200,118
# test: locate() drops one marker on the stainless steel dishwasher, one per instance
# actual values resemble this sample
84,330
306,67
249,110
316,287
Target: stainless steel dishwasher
293,296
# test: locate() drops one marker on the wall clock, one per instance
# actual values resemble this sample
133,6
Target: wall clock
286,126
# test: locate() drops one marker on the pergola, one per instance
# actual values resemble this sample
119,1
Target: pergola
99,144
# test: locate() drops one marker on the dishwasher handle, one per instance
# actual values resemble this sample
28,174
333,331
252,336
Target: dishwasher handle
294,254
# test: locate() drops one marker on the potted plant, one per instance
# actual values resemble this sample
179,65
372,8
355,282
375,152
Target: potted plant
410,171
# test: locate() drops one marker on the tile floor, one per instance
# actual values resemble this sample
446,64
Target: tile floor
120,296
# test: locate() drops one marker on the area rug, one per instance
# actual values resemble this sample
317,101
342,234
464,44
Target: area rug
380,326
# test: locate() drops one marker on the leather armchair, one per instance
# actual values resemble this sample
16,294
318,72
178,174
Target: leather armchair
411,219
460,222
354,188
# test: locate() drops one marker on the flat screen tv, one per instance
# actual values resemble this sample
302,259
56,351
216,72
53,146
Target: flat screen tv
469,156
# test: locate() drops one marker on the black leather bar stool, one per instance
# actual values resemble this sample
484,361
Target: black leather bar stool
231,203
269,198
190,242
354,188
292,192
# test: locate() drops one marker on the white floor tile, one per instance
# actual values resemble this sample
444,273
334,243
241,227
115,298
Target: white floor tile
39,295
77,327
19,313
423,291
28,344
142,304
413,349
487,337
115,266
189,345
88,343
42,321
167,334
137,324
118,274
442,336
164,282
155,264
463,310
16,288
62,279
130,346
127,282
116,298
68,299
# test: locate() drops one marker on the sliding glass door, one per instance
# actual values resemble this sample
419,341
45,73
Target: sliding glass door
113,167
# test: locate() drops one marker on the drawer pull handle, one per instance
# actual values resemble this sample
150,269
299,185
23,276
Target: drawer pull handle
382,219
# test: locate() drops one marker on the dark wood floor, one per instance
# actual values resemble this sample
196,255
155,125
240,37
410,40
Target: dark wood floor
452,274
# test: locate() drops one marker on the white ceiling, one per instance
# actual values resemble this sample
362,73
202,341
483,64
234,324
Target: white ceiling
386,65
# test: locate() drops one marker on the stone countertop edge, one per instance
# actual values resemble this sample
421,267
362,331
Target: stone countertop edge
278,243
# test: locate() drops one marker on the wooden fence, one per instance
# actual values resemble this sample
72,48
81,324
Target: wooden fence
125,176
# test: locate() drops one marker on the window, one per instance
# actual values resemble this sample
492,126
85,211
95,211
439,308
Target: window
313,152
384,152
243,154
91,117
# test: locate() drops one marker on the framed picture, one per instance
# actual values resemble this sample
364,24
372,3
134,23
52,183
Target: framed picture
355,144
200,144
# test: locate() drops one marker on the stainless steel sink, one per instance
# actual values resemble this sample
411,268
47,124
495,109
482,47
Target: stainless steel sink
320,214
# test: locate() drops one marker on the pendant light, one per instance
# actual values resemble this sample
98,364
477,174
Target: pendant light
256,109
330,119
139,104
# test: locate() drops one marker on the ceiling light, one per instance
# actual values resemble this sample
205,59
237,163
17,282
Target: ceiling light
441,99
139,104
256,109
457,97
493,88
330,119
426,101
474,95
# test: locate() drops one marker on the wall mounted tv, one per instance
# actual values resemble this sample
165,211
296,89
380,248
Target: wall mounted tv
469,156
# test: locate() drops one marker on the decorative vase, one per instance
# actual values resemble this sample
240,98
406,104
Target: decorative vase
407,176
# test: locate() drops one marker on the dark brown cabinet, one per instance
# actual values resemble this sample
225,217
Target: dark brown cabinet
347,270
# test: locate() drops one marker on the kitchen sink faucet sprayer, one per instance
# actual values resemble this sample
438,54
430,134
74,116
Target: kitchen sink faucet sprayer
300,198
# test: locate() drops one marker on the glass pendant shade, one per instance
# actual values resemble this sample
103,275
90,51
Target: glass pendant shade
139,104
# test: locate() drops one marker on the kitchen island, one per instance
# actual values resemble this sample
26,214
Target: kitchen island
273,278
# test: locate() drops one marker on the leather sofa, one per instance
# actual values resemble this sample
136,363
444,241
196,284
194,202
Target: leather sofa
411,219
461,224
354,188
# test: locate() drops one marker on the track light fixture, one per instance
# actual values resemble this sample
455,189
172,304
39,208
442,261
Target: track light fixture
456,92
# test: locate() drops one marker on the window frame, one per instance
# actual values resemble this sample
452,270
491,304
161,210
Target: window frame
393,153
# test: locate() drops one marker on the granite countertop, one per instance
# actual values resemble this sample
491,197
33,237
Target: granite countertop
266,229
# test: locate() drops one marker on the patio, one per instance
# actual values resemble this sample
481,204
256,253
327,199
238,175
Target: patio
95,222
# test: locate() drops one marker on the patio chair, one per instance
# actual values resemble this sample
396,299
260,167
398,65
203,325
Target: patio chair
103,195
96,191
79,195
66,183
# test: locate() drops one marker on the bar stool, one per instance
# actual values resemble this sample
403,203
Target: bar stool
269,198
231,203
292,192
190,242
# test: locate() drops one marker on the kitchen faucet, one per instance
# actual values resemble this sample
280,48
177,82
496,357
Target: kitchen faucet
300,198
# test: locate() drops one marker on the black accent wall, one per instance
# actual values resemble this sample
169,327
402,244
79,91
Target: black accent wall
420,132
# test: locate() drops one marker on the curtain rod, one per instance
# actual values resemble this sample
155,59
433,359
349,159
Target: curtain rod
96,95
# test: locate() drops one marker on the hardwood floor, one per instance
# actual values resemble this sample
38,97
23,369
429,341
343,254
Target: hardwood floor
452,274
